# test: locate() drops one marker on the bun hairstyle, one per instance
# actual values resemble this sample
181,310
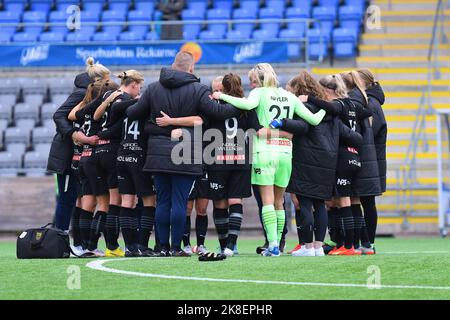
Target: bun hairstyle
352,80
336,84
367,78
305,84
96,71
96,89
232,85
130,76
265,75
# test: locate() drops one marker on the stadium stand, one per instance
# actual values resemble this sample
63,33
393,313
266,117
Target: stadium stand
128,21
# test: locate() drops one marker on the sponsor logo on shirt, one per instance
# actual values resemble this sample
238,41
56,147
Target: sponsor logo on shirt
279,142
257,170
231,157
343,182
354,163
352,150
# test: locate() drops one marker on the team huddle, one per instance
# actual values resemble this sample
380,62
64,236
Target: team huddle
141,162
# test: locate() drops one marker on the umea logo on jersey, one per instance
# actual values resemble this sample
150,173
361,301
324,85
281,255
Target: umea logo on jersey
33,54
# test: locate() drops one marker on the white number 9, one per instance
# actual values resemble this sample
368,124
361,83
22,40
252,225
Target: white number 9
231,130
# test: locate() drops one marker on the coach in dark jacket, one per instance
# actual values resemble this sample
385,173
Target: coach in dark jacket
376,98
367,181
61,152
178,93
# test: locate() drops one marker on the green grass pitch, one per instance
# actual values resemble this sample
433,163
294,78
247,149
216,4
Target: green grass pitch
407,268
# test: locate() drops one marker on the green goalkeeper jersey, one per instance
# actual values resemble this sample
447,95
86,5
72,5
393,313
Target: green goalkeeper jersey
274,103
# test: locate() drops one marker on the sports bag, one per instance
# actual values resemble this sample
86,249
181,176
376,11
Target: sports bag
43,243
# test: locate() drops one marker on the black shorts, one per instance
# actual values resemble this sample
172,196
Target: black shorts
348,166
104,175
86,188
229,184
200,189
132,180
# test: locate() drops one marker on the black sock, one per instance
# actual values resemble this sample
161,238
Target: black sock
201,227
97,228
298,223
339,232
85,227
221,221
187,232
348,224
358,220
76,232
320,220
146,227
127,215
370,216
112,227
307,218
235,222
332,225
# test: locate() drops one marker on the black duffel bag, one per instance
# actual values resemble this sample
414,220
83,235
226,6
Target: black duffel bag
43,243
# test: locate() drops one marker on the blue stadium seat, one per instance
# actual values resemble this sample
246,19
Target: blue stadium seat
252,5
210,35
113,15
270,13
157,15
263,34
146,6
17,135
34,17
131,36
51,37
25,37
61,18
306,5
327,17
278,5
9,17
62,5
190,14
93,5
78,37
344,43
237,35
198,5
317,46
356,3
141,17
41,5
223,4
350,17
15,5
119,5
104,37
152,36
292,33
218,29
5,37
42,135
191,31
329,3
244,14
297,13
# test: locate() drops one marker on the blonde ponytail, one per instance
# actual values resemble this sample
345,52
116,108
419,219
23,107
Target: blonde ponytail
96,71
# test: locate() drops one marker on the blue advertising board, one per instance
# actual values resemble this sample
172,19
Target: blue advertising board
55,55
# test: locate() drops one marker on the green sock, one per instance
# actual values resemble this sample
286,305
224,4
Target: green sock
281,219
270,224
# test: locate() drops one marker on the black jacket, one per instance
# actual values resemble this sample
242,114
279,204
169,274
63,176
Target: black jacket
61,151
315,154
379,127
367,181
178,94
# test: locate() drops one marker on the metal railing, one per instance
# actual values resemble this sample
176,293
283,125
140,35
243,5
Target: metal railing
407,180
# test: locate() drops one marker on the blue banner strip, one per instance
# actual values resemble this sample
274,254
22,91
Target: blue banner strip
53,55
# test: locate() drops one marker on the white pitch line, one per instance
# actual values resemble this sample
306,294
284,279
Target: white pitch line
415,252
98,265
